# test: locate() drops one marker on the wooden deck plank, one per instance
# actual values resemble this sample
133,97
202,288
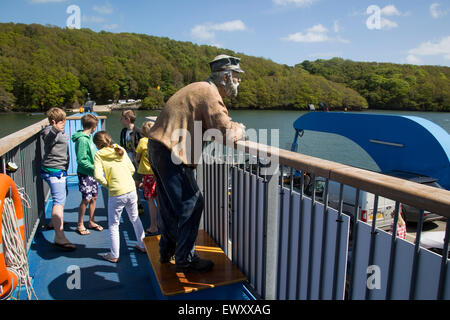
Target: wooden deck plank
172,283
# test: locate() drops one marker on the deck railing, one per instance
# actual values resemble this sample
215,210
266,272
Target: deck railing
289,244
25,149
294,246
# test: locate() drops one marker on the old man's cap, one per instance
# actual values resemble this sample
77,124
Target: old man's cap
224,62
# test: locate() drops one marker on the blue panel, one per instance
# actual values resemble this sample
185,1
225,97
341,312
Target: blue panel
304,247
246,226
447,283
283,242
294,247
331,272
343,256
329,248
402,270
260,236
361,256
428,271
253,230
381,259
420,139
317,246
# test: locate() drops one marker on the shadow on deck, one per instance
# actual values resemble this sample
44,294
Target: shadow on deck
84,274
55,272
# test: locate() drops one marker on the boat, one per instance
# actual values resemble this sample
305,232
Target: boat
273,242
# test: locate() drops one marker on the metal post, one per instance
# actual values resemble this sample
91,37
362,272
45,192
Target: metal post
199,178
271,235
444,262
412,291
392,253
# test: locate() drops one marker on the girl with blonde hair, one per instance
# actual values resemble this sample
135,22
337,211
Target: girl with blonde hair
113,170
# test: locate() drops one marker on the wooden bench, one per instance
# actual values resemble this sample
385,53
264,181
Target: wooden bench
172,283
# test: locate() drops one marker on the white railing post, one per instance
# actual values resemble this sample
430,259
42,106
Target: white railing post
271,200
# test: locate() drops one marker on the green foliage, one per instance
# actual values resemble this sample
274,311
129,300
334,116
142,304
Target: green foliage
46,66
6,100
387,85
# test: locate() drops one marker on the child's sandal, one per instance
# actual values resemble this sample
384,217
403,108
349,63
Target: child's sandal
108,257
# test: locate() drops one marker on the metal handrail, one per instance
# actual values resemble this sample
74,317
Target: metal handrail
415,194
14,139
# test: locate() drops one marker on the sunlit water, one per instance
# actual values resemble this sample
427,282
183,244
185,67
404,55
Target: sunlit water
322,145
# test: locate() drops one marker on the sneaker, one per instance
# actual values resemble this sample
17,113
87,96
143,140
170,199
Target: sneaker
196,266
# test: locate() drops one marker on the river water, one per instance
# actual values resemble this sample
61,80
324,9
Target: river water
322,145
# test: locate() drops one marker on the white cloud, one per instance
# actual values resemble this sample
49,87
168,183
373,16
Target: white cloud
207,32
388,24
412,59
235,25
390,10
430,48
106,9
436,12
298,3
46,1
317,33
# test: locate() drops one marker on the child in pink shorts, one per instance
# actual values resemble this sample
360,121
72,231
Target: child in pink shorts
148,179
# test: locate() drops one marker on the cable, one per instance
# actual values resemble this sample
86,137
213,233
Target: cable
15,255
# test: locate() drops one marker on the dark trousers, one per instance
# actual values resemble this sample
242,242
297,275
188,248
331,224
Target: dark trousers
181,203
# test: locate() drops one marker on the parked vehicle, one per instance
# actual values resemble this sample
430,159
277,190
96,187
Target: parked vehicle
366,202
410,213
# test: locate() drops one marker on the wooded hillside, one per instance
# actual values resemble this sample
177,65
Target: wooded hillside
387,85
46,66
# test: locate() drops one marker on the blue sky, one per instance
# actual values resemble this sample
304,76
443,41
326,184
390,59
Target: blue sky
285,31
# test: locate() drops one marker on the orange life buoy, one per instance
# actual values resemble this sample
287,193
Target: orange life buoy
8,280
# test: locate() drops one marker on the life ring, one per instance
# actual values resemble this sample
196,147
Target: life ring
8,279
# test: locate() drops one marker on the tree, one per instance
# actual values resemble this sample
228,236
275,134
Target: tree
7,100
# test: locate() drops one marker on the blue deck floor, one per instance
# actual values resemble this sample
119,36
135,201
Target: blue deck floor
130,278
53,272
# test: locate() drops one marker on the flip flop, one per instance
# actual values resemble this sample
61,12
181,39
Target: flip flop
65,246
108,257
97,227
83,232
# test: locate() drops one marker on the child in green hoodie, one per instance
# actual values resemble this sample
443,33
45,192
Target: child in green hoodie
88,186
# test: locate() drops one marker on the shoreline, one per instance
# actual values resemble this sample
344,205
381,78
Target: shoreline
115,107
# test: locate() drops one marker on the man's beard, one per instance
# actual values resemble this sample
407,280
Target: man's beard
231,89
